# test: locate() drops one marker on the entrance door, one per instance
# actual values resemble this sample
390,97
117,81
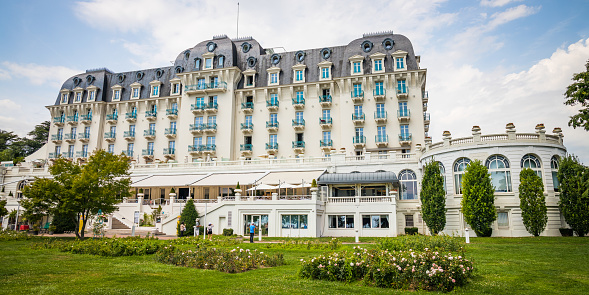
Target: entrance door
256,219
183,193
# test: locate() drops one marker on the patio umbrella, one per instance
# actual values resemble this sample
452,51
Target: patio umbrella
262,187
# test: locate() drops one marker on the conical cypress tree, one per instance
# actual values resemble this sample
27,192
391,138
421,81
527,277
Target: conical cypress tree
188,216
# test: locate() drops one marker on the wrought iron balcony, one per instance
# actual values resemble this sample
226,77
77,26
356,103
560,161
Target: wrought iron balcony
211,107
272,125
169,151
325,122
247,106
131,117
72,119
379,93
380,117
112,118
170,132
56,137
58,120
247,127
83,136
358,118
403,115
298,102
381,140
272,147
298,124
151,115
357,95
272,104
82,154
326,143
129,135
147,152
150,133
172,113
86,119
325,100
246,147
359,141
197,107
110,136
206,87
405,138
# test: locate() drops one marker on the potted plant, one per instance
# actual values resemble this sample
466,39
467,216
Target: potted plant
314,186
51,229
172,192
140,194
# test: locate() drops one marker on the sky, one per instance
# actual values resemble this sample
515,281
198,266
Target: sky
489,62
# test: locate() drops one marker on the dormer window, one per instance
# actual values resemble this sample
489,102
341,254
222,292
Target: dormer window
273,76
325,70
220,61
356,65
377,62
155,88
208,57
116,92
399,58
197,64
91,93
299,73
136,90
250,80
64,96
78,97
175,86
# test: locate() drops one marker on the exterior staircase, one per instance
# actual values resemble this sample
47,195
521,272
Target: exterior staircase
117,224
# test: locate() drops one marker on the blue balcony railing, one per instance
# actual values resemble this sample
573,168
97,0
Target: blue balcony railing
272,146
245,147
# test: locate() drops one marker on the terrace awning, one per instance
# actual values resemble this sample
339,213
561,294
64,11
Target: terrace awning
358,177
291,177
168,180
229,179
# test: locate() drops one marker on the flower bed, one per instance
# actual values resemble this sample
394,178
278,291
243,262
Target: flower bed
333,244
111,247
12,235
411,270
230,261
420,243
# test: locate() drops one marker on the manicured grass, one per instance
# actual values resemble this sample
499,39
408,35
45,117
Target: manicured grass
503,266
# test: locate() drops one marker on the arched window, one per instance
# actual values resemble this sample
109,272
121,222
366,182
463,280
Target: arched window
19,188
459,167
530,161
443,173
408,182
554,170
500,175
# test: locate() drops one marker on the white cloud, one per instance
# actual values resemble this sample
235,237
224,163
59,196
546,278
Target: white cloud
38,74
510,14
8,105
497,3
4,75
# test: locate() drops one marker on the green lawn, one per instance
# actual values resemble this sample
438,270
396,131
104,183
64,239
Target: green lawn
503,266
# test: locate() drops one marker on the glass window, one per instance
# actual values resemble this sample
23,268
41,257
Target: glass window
176,88
155,90
324,73
554,170
92,95
404,131
400,63
326,114
221,61
443,173
530,161
502,219
326,136
198,121
197,64
197,141
273,118
274,78
401,87
117,95
273,138
408,182
359,132
78,96
208,63
459,168
299,117
381,132
378,65
357,67
500,174
341,221
358,110
379,88
380,109
274,98
111,148
200,102
357,89
299,75
135,92
152,126
409,221
211,140
403,109
248,120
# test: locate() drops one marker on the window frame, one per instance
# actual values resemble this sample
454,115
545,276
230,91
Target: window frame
459,174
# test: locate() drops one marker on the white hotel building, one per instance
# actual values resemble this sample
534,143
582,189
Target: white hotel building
353,117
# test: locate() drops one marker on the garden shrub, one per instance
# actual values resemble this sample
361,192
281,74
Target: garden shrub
217,241
421,243
333,244
224,260
110,247
427,270
411,230
227,232
12,235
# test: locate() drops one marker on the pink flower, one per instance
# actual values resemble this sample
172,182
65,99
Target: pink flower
453,281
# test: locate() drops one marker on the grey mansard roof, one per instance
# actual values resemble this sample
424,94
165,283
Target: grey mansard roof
234,56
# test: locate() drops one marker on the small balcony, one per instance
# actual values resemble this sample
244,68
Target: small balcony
426,118
196,128
246,149
147,153
326,145
56,138
272,105
58,121
402,93
194,149
72,120
172,113
380,117
131,117
247,127
403,115
110,136
128,153
358,119
381,140
205,88
149,134
151,115
84,137
357,96
405,139
359,141
325,122
210,127
86,119
208,148
67,155
247,107
272,125
53,155
70,137
112,118
197,108
298,146
298,124
170,153
170,132
325,101
211,107
82,154
379,94
426,128
272,148
129,135
425,97
425,106
298,102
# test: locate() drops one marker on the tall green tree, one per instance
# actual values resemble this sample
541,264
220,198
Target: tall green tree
433,198
532,202
3,210
578,93
6,139
188,217
573,178
81,190
478,199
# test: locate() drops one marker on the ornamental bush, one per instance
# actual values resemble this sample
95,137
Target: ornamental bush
332,244
224,260
109,247
427,270
532,202
478,199
573,178
433,198
421,243
12,235
188,216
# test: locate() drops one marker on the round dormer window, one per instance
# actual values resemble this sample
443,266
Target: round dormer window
388,43
77,81
159,73
139,75
245,47
366,46
300,56
251,61
275,58
325,53
211,46
90,79
121,78
186,54
179,69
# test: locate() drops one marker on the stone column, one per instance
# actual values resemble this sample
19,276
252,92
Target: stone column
447,136
237,194
510,129
274,196
314,193
476,133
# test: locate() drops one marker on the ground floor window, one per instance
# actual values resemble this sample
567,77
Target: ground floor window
294,221
502,219
409,221
341,221
261,221
375,221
